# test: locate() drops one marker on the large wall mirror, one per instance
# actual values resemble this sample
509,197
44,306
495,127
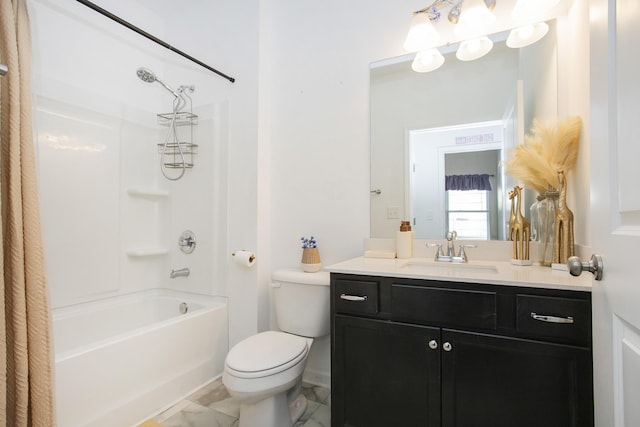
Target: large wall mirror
459,120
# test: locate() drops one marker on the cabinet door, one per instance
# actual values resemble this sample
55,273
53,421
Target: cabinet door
490,381
384,374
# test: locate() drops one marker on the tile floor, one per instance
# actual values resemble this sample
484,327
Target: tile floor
212,406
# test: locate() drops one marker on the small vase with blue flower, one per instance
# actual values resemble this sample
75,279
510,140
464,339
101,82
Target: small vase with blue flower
310,255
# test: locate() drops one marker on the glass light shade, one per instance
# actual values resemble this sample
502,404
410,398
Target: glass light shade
422,34
474,49
526,35
532,9
427,60
475,20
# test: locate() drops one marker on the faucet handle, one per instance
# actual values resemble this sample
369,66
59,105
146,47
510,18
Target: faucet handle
439,252
462,254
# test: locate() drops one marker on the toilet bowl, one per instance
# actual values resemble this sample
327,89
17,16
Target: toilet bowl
260,371
264,371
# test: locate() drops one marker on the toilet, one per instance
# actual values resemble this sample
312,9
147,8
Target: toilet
264,372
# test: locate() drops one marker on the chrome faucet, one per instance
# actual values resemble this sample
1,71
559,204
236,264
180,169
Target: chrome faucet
183,272
451,256
451,236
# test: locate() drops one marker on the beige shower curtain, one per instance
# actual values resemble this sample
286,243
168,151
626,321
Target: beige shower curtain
26,368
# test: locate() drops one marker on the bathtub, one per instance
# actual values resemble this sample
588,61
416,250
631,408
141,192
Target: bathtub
122,359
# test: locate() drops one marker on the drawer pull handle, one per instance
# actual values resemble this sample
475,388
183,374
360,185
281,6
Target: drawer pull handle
353,297
551,319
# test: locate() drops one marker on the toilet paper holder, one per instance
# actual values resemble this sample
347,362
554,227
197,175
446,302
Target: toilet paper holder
244,258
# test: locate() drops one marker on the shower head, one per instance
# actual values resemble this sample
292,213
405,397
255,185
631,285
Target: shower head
147,76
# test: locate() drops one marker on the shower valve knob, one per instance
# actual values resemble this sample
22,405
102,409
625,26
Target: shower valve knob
187,242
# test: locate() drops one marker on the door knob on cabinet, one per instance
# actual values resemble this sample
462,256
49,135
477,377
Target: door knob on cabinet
447,346
433,344
594,265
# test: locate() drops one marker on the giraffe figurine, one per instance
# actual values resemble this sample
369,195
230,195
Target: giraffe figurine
512,215
519,230
563,246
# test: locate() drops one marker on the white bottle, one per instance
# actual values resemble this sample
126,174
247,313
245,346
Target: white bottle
404,241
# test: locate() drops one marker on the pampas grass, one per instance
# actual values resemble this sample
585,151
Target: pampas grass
551,147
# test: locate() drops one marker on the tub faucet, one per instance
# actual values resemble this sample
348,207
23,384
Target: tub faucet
183,272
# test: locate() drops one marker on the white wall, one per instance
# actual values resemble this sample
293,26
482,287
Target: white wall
573,100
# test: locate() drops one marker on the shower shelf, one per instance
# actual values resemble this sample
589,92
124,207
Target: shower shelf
173,159
152,193
183,118
147,252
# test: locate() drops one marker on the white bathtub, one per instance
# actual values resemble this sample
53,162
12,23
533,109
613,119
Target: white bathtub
120,360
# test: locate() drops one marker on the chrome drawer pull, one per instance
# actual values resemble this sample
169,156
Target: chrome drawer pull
353,297
552,319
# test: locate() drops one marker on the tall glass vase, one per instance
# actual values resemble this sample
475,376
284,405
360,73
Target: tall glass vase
535,221
546,226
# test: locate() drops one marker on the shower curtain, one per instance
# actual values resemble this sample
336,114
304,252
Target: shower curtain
26,364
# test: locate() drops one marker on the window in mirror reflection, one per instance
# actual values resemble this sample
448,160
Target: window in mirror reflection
468,214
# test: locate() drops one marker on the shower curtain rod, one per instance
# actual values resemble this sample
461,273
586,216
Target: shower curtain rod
151,37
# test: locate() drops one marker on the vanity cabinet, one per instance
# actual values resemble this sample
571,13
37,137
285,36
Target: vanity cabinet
408,352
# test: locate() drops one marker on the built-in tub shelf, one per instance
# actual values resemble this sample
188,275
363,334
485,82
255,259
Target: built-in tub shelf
148,192
147,252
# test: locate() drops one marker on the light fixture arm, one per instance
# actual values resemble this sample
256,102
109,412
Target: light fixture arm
433,10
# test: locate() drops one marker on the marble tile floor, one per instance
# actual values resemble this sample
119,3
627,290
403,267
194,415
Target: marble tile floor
211,406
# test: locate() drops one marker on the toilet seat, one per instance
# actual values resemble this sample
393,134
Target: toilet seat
264,354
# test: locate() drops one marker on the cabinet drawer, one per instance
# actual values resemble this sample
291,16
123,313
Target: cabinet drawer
565,319
446,307
356,296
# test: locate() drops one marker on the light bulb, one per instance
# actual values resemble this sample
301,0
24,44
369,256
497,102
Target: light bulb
474,48
526,35
422,34
475,20
427,60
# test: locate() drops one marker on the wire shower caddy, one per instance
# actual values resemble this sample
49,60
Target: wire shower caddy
183,128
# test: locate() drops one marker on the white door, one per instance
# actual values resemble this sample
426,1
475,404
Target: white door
615,208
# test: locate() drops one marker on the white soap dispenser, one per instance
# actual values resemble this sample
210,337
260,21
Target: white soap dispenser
404,240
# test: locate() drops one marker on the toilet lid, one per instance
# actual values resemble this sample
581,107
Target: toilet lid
266,353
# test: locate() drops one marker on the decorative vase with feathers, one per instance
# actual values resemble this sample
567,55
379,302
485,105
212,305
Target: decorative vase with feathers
550,148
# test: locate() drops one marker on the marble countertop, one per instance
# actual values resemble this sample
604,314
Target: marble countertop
489,272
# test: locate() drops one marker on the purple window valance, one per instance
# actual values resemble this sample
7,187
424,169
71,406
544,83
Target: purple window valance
467,182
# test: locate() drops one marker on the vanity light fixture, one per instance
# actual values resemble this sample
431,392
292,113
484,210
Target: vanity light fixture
427,60
526,35
475,19
470,50
422,35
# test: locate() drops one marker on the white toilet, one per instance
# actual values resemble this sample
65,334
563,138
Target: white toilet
264,371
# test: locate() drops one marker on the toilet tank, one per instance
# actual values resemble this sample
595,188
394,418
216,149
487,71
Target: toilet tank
301,302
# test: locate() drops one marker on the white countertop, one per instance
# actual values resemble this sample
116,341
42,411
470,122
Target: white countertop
490,272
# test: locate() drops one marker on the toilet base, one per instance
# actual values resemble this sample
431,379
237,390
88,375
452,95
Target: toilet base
274,411
297,408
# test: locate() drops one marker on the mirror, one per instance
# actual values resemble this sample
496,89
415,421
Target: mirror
419,120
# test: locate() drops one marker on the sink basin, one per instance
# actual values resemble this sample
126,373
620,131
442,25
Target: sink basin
423,266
